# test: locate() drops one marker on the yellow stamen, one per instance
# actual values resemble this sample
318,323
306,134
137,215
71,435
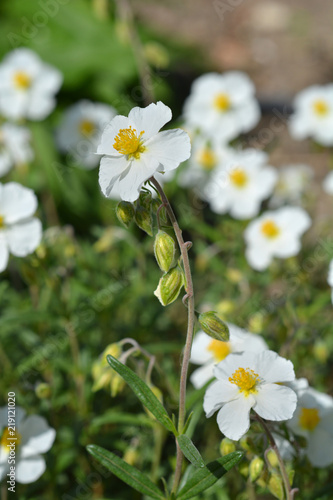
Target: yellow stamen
127,142
9,435
238,177
22,80
2,221
245,379
207,159
270,229
222,102
309,418
219,349
321,107
87,127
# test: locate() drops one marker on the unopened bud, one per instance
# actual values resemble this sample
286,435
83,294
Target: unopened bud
214,326
275,486
169,286
227,446
164,250
256,467
125,212
43,391
144,219
145,199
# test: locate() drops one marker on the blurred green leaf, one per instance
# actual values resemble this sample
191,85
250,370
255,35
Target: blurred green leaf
190,451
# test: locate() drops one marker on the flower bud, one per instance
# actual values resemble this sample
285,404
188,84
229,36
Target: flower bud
145,199
275,486
103,376
169,286
164,250
144,219
125,212
43,391
227,446
256,467
214,326
162,214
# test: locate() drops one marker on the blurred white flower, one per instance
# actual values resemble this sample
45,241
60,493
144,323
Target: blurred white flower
135,150
313,419
292,183
27,86
240,184
208,352
15,147
328,183
33,437
20,233
250,380
275,234
313,115
81,129
222,106
330,277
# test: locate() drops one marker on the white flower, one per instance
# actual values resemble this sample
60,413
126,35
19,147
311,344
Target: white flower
328,183
222,106
250,380
27,86
313,419
81,130
14,147
206,156
34,437
135,150
275,234
330,277
20,233
313,116
240,184
292,182
208,352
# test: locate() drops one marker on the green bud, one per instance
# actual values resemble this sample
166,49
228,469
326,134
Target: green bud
125,212
275,486
164,250
145,199
43,391
227,446
256,467
155,205
144,219
169,286
212,324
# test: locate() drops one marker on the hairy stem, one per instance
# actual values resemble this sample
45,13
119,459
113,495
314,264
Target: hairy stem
184,247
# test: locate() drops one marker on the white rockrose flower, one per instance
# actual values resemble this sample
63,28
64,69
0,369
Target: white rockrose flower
20,233
313,419
313,114
330,277
208,352
328,183
275,234
222,106
15,147
27,86
292,183
240,184
206,156
250,380
33,437
134,150
81,129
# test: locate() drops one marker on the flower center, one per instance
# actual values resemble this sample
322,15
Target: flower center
309,418
2,221
7,436
246,380
222,102
270,229
87,128
320,107
207,159
127,142
22,80
238,177
219,349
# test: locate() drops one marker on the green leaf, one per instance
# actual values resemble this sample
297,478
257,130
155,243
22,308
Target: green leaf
190,451
127,473
205,477
143,392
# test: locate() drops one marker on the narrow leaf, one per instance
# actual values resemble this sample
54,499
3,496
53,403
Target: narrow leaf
143,392
205,477
190,451
127,473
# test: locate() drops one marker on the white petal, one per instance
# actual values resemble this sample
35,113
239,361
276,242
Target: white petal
328,183
233,361
202,375
170,148
274,368
199,352
17,202
150,119
131,181
36,435
14,104
24,237
19,415
30,469
217,394
109,133
110,171
4,253
48,81
259,258
275,402
320,448
40,106
234,418
3,468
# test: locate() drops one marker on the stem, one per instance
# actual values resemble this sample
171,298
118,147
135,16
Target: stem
289,491
184,247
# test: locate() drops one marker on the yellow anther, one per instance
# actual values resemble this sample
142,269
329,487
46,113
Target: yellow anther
9,435
238,177
2,221
321,107
246,380
219,349
127,142
87,128
207,159
270,229
309,418
22,80
222,102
